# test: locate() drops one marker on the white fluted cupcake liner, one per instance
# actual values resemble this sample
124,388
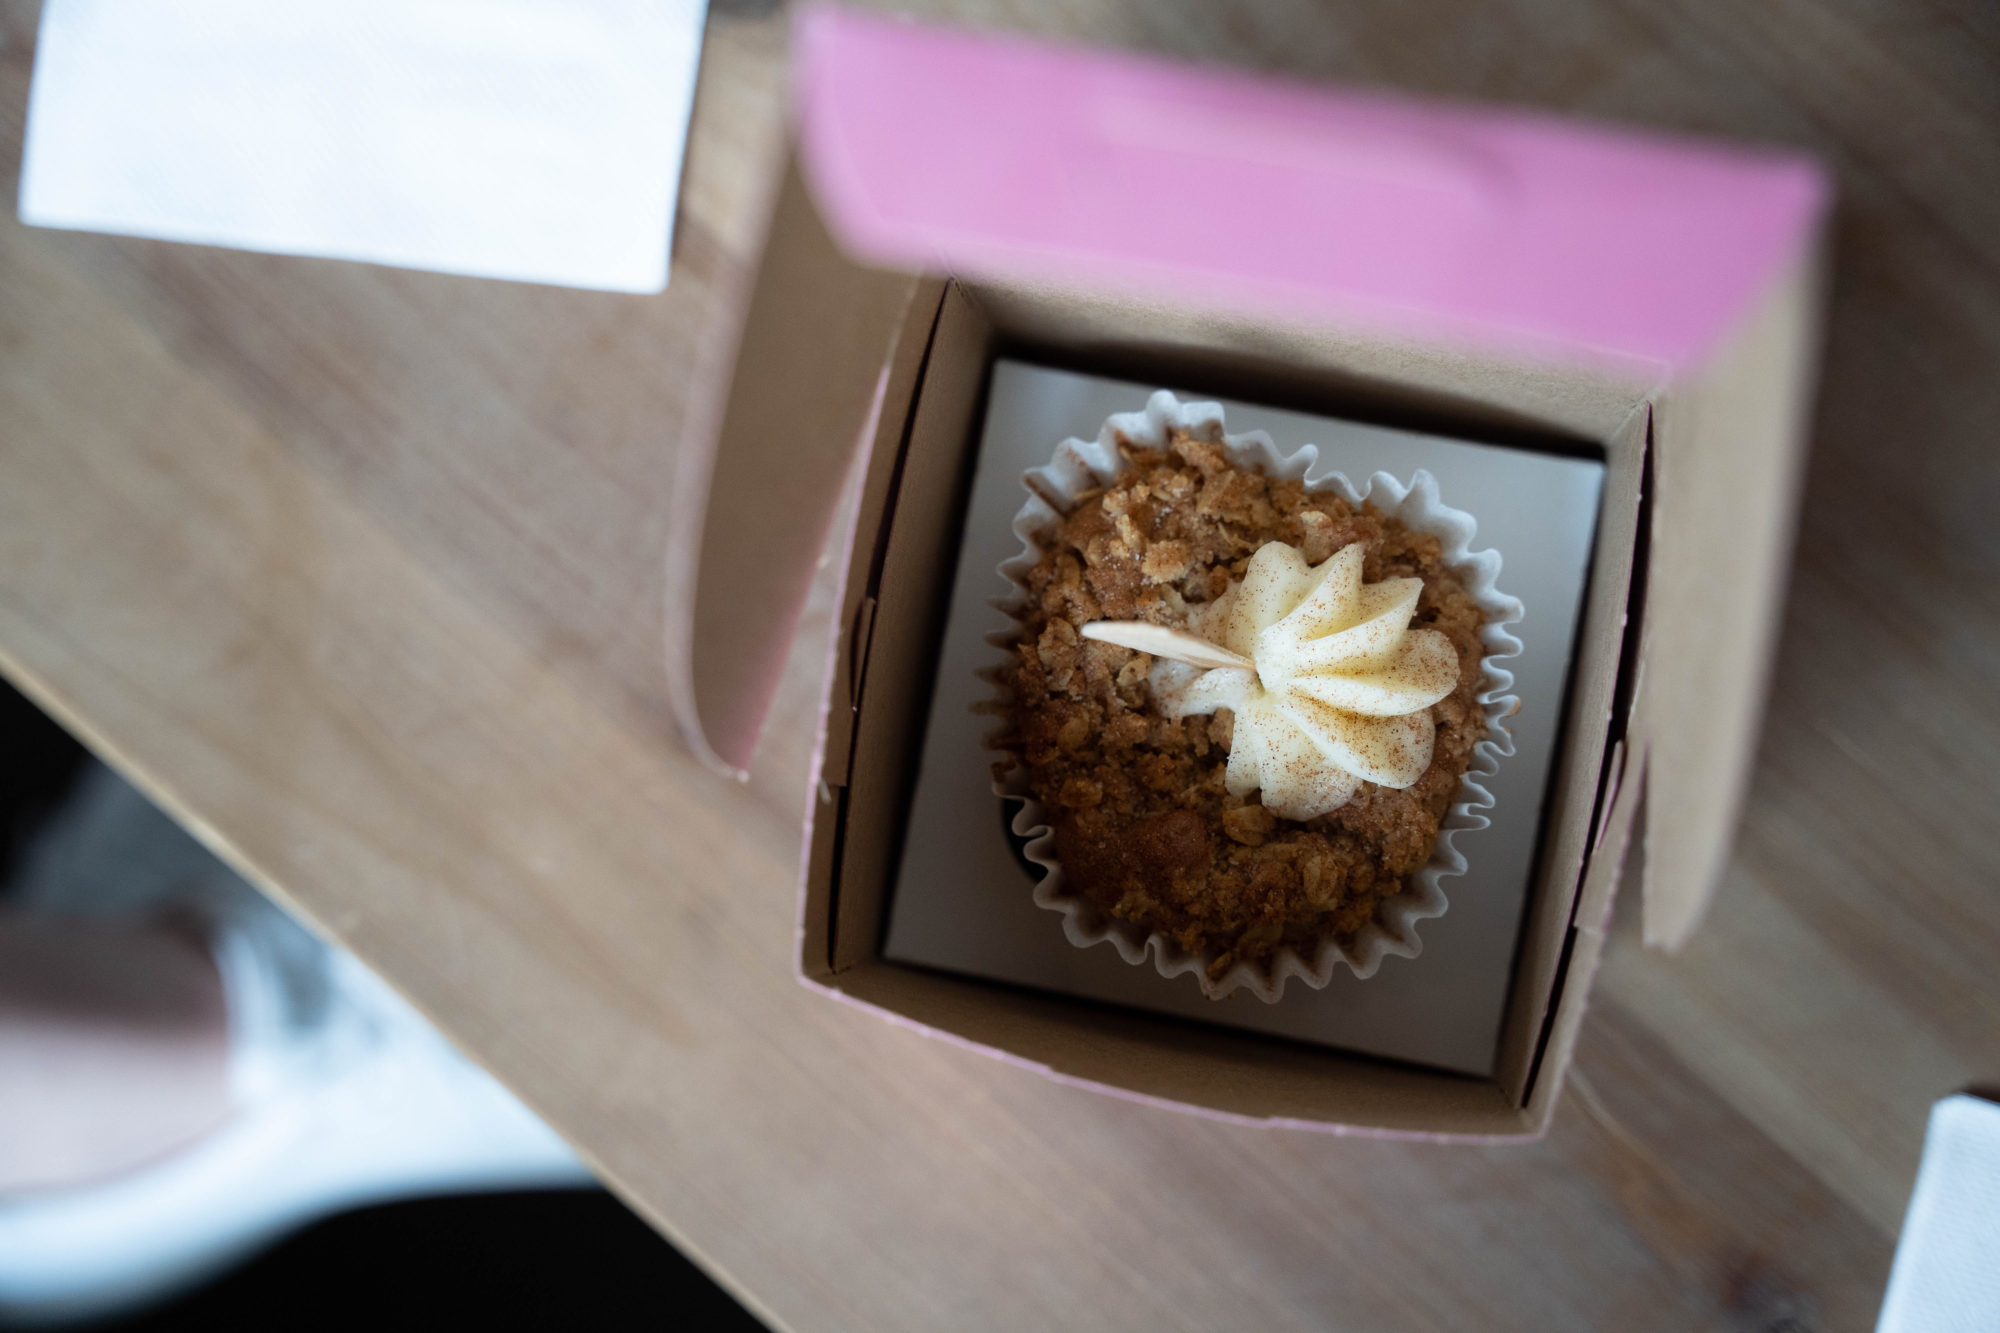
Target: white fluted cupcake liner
1082,466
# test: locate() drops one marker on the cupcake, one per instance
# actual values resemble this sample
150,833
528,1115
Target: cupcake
1244,715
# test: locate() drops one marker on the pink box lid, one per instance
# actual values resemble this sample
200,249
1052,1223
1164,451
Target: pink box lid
932,149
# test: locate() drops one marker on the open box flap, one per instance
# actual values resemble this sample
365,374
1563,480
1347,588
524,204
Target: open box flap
1726,476
760,483
932,149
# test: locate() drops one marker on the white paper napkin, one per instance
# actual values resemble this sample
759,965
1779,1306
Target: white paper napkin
539,140
1946,1278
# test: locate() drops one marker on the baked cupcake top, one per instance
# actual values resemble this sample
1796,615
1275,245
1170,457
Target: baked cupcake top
1163,815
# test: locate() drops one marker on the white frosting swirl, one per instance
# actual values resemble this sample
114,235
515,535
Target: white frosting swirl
1342,686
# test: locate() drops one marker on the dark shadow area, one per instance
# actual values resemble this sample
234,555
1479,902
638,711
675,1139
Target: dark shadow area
543,1259
39,762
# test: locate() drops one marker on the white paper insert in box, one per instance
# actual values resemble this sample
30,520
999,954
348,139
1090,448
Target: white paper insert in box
963,902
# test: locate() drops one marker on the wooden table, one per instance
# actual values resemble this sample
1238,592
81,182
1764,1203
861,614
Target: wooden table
359,572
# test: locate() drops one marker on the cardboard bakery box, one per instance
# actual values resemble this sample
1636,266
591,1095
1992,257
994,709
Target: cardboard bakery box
1498,277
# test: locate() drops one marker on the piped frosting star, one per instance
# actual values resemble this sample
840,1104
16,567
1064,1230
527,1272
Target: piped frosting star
1329,684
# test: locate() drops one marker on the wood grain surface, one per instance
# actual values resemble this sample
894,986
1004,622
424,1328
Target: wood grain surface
359,572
